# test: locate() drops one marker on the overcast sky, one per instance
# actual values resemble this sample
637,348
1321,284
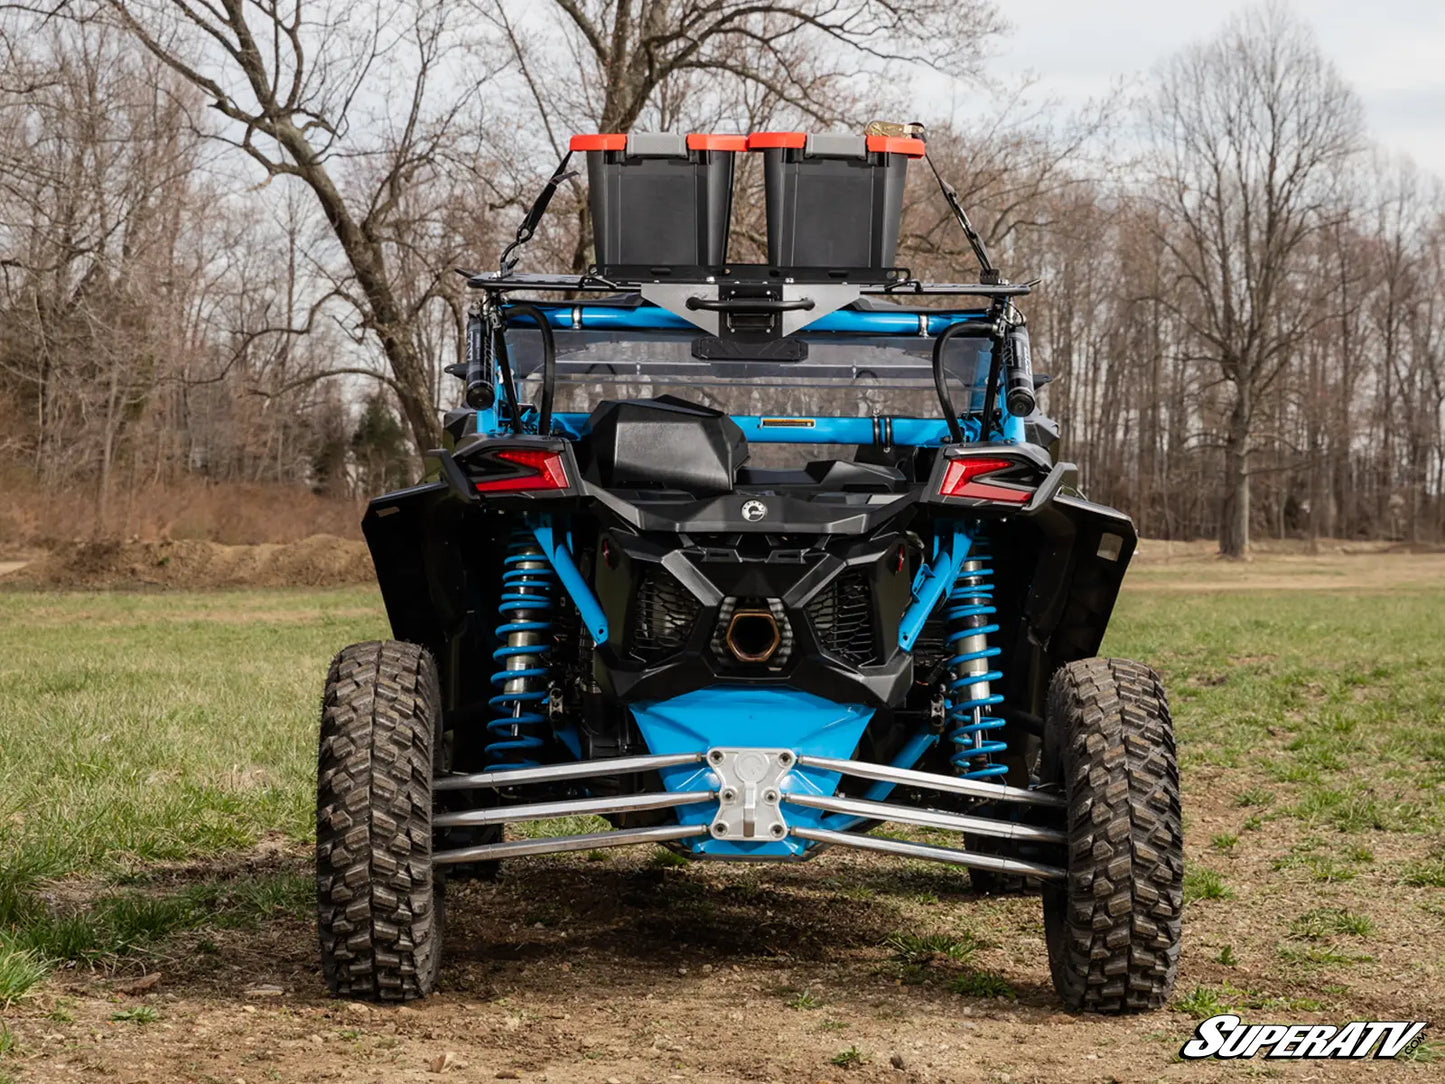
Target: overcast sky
1392,53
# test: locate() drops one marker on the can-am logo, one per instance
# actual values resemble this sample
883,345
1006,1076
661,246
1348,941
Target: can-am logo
1226,1036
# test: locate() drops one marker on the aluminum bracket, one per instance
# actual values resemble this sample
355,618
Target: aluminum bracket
749,792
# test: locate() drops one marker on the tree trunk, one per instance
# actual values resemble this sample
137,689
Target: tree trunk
413,393
1234,530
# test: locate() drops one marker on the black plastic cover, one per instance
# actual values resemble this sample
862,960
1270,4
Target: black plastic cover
665,443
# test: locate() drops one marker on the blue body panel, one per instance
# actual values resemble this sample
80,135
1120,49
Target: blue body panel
750,716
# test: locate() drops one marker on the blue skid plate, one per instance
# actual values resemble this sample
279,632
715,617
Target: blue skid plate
751,717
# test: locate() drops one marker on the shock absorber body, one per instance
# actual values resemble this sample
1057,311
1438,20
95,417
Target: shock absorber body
968,617
524,636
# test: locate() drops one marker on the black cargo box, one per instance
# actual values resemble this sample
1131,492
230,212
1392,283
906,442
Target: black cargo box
834,201
660,199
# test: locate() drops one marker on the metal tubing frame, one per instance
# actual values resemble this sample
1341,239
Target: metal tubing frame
540,811
927,818
933,582
932,781
520,848
560,558
932,853
552,773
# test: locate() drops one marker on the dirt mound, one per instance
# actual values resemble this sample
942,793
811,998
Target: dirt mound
321,560
38,517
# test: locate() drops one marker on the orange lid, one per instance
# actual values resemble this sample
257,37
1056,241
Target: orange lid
698,141
914,148
761,141
613,141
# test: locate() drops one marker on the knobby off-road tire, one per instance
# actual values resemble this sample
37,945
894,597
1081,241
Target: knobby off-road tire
379,904
1113,926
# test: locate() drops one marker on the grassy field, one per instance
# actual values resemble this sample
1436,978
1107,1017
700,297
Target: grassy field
157,760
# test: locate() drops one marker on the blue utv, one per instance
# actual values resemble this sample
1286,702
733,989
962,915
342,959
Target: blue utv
626,589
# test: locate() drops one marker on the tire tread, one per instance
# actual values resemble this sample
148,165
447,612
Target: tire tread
1114,927
378,913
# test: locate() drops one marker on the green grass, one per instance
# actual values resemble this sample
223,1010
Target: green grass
662,858
1254,796
912,948
141,1014
977,983
37,937
566,826
145,728
1206,1001
1424,1052
1323,704
20,970
138,728
803,999
852,1058
1320,868
1203,1002
1426,874
1205,884
1225,842
1320,955
1324,922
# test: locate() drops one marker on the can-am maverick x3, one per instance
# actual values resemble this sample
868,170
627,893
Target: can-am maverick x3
616,610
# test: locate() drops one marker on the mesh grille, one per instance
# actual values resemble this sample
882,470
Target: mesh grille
842,619
663,616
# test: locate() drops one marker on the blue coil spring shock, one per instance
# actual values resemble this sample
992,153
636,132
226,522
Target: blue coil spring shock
525,641
967,615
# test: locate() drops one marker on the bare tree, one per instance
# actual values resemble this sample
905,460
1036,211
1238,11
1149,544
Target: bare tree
1251,131
344,99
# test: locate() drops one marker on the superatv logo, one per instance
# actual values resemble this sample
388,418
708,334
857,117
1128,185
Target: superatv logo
1226,1036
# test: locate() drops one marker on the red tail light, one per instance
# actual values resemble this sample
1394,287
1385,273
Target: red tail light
541,469
962,480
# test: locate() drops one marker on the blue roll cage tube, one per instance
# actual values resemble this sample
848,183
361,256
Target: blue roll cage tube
765,429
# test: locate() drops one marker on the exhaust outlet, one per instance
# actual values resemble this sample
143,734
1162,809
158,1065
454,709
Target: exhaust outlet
753,635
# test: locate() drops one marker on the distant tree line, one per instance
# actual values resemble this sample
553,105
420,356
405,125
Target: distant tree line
228,235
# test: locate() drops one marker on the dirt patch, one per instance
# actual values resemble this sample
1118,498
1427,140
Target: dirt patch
318,561
1164,551
585,972
1364,566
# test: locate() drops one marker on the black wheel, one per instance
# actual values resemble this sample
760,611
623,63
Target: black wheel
379,906
1113,926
